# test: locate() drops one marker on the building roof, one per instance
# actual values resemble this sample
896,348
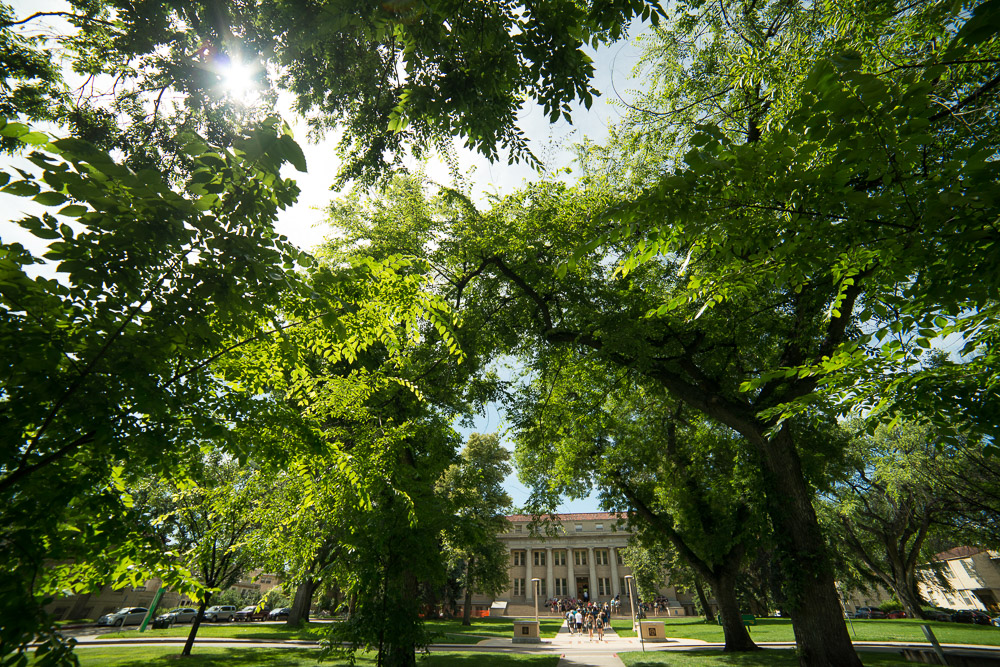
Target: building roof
957,552
582,516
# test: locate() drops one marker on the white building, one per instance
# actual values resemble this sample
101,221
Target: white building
963,578
582,560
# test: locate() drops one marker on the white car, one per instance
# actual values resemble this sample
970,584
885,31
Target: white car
124,616
225,612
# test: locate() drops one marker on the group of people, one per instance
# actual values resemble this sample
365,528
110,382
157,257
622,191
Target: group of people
589,618
562,605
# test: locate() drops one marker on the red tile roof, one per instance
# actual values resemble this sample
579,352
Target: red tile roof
958,552
584,516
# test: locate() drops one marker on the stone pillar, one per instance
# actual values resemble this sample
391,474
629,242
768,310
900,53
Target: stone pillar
549,583
529,593
613,555
593,573
510,569
570,575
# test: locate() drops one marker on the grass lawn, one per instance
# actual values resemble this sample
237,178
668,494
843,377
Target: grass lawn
126,656
765,658
623,626
453,632
312,631
780,630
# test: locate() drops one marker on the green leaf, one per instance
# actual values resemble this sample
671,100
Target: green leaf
50,198
21,188
73,210
14,130
34,138
292,152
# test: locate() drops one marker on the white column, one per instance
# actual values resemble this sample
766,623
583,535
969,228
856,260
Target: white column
549,588
529,593
511,572
570,575
613,555
593,573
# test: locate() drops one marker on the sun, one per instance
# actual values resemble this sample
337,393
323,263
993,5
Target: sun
239,80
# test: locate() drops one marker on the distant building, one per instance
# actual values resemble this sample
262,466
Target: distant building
94,605
581,560
963,578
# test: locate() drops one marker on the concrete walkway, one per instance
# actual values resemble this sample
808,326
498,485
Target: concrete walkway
579,650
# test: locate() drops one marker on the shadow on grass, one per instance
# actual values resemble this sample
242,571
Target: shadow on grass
200,657
763,658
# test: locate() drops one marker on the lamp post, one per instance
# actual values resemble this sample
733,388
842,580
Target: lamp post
534,584
629,584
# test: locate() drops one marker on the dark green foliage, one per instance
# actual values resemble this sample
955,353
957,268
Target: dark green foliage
113,354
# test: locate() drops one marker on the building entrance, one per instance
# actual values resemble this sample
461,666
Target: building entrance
583,588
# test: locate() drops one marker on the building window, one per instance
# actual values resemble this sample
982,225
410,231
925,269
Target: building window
518,586
603,586
561,587
618,556
598,526
579,527
580,557
542,592
539,558
518,558
622,587
601,556
517,529
970,569
559,557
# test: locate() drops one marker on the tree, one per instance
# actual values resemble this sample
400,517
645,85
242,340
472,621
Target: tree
475,488
119,322
395,77
899,493
686,486
210,523
818,181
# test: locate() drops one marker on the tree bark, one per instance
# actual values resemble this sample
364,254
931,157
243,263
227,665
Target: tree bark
737,637
401,650
467,611
706,608
812,598
195,624
302,602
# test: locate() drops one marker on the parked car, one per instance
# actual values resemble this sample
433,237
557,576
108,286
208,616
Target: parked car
971,616
876,613
996,621
124,616
863,612
848,613
937,615
898,613
225,612
178,615
251,613
279,613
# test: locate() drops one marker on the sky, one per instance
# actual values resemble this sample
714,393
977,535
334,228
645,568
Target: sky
304,223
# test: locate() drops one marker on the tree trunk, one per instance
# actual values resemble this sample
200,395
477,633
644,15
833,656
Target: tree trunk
737,637
400,647
467,611
817,619
352,604
906,591
706,608
302,602
195,624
